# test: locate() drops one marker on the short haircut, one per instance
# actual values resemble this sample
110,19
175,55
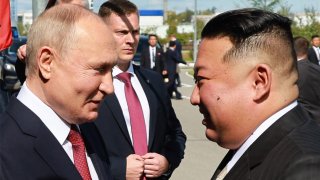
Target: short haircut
255,33
52,3
119,7
301,45
314,36
152,35
55,28
172,43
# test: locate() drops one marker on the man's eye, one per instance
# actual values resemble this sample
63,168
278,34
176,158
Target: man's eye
100,70
197,79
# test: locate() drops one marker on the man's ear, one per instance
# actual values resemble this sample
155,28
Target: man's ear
262,82
45,60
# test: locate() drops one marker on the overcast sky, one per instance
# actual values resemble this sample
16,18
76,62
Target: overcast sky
181,5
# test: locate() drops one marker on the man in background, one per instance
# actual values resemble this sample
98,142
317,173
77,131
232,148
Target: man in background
172,61
142,134
309,79
246,89
179,52
152,57
69,74
314,51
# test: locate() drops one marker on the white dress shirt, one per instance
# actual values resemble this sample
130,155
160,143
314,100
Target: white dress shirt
152,52
256,134
119,91
317,50
58,127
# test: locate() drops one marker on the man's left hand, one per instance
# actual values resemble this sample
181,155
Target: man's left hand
155,165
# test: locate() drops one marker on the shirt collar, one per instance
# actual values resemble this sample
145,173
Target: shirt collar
116,70
58,127
256,134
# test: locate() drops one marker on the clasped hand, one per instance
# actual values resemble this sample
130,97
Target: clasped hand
150,165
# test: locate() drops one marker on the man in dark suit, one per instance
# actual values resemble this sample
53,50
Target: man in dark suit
172,59
164,143
179,51
246,89
69,74
152,57
314,51
309,79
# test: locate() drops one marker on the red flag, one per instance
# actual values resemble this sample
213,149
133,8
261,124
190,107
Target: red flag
5,25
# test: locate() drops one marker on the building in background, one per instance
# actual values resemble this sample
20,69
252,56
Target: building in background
90,4
13,11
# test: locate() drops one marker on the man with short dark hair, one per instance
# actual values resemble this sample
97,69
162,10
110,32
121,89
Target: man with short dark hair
172,60
142,134
246,88
152,57
314,51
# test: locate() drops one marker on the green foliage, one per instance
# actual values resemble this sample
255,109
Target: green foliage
21,28
311,27
268,5
200,26
300,28
172,29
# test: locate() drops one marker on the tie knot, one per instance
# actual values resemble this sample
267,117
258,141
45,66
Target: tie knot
125,77
74,136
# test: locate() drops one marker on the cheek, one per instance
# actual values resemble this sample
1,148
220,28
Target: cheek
87,84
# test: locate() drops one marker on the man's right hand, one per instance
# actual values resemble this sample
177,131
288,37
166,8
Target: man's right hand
135,167
22,52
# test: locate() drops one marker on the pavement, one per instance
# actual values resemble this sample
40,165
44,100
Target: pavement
202,156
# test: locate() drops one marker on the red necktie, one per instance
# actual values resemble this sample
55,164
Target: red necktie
138,127
79,153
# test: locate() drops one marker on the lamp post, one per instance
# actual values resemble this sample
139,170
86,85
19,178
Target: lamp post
195,45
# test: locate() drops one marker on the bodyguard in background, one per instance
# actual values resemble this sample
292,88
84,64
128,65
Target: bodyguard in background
172,61
309,79
152,57
314,51
143,137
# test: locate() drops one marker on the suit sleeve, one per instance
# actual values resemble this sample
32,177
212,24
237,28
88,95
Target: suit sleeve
118,167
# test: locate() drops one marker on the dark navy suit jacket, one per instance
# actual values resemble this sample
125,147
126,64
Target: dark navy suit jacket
312,56
309,88
159,59
28,150
288,149
165,133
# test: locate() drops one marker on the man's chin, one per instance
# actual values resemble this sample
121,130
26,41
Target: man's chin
211,135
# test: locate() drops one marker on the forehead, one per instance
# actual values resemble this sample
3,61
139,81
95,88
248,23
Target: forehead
130,21
88,37
211,53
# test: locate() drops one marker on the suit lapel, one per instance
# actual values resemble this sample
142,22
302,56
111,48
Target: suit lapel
257,152
45,144
113,104
223,164
146,84
55,156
